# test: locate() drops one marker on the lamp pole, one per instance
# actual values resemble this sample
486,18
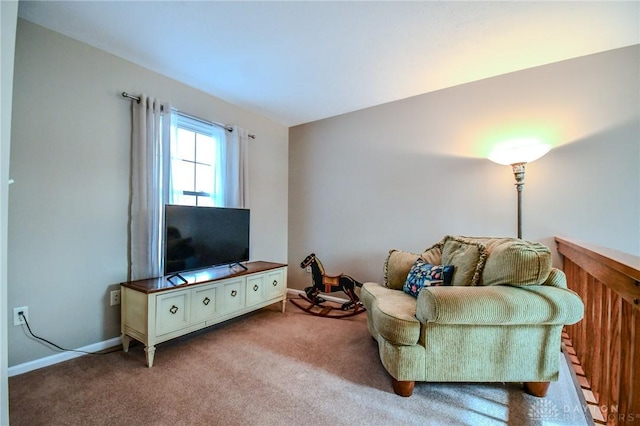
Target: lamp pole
517,153
518,173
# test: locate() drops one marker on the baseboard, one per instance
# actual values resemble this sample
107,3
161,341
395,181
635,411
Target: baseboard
61,357
324,296
100,346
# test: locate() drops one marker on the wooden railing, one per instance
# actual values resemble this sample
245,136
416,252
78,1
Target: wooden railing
607,340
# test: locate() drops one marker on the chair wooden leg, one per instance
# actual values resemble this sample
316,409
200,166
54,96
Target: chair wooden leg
538,389
403,388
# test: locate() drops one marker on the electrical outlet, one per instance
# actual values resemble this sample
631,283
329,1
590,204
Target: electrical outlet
17,318
308,269
115,297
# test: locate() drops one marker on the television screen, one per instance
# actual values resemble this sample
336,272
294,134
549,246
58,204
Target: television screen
201,237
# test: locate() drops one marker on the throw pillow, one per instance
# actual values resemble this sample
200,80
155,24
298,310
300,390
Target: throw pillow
468,258
396,268
433,254
424,274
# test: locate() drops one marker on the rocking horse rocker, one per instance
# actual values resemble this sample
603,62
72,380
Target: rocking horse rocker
322,283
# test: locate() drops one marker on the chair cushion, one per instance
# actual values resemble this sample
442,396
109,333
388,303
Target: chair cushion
513,261
393,313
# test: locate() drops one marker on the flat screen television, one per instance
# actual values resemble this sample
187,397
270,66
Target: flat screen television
203,237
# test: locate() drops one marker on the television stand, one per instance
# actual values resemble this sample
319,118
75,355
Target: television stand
156,310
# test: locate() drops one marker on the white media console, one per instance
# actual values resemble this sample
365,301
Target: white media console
156,310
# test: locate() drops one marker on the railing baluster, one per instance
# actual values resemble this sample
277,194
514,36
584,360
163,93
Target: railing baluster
598,333
626,347
634,403
607,344
616,357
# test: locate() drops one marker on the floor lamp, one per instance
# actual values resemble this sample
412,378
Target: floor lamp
517,153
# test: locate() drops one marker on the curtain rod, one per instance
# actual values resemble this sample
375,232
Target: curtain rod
224,126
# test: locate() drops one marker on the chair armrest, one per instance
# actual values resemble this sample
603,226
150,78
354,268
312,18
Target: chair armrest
504,305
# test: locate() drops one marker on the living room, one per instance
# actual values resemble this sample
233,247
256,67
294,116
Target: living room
349,187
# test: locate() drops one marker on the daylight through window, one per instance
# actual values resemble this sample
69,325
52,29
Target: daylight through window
196,159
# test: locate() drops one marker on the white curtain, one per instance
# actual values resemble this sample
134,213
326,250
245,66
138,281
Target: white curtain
173,196
236,191
219,167
149,186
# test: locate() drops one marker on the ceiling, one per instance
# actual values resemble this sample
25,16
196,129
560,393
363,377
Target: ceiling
300,61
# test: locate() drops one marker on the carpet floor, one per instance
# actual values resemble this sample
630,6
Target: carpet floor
270,368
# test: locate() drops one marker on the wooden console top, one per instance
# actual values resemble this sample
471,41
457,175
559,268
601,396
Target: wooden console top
152,285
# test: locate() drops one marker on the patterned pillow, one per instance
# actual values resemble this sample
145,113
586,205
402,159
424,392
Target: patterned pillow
424,274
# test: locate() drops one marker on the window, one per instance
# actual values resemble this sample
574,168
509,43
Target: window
196,162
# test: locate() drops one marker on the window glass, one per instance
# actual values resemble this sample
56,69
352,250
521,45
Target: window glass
195,168
186,147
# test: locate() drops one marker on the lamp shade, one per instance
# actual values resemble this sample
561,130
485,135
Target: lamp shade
518,151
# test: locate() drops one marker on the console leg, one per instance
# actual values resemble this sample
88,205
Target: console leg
284,304
538,389
150,351
403,388
125,342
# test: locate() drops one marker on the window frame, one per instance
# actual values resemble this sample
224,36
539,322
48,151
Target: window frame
197,127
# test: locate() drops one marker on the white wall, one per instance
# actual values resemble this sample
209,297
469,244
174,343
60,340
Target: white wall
70,161
404,174
9,17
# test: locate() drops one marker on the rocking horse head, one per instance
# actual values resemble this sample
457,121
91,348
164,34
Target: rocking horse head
308,260
314,262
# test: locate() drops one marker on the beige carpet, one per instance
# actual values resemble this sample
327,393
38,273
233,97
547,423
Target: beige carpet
269,368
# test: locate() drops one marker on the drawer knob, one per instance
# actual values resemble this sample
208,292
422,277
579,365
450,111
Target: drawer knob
255,287
234,293
206,301
275,283
173,309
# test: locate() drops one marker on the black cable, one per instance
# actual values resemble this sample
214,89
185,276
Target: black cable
60,347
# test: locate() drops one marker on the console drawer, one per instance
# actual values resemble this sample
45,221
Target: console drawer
233,297
274,284
205,303
172,311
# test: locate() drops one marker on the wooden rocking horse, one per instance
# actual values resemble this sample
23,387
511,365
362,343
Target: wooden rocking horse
323,283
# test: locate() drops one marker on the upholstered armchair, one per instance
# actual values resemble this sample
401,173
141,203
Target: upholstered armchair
496,315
